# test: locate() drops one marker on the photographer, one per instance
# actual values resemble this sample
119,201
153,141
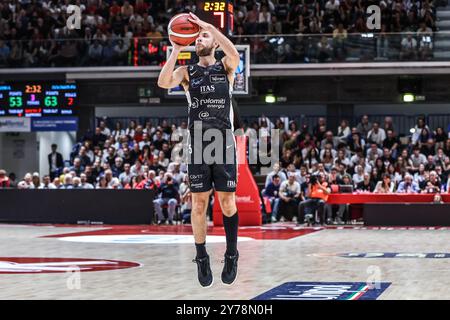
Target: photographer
290,195
169,195
318,192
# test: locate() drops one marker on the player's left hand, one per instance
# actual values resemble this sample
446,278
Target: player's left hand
202,24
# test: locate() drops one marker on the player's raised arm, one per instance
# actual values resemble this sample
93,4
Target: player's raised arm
231,59
169,78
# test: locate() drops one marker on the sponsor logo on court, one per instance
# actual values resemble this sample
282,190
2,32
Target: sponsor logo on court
23,265
217,78
403,255
325,291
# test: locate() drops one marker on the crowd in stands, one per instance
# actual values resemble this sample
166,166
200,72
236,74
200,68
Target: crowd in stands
369,157
33,33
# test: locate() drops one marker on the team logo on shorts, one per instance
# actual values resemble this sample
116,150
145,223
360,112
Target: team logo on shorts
231,184
203,115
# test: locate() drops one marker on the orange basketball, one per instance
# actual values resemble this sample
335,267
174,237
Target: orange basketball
182,31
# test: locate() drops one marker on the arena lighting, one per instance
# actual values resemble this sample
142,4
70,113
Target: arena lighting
408,97
270,98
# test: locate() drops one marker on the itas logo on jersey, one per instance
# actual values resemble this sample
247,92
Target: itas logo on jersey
218,78
207,89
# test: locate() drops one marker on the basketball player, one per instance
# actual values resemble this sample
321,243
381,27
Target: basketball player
208,87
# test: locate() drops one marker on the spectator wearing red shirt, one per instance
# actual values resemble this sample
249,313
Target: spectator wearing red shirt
139,134
140,7
4,180
114,9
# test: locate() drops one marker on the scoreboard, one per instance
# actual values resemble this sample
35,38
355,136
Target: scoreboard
38,99
219,13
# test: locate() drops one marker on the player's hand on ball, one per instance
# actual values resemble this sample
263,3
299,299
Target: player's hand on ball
202,24
176,46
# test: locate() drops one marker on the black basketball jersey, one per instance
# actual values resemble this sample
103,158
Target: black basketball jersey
209,97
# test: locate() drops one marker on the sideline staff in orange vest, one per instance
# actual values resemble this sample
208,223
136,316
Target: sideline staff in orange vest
318,192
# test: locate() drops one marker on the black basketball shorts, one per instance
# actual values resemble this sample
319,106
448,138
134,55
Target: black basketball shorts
208,169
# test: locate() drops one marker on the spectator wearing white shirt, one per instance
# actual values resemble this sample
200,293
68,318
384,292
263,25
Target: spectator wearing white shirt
373,153
145,141
376,134
126,175
343,131
136,169
84,184
118,132
130,131
421,175
332,5
418,130
358,176
409,48
385,185
417,159
26,183
46,183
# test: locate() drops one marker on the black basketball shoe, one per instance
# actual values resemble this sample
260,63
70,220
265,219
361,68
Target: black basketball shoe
230,271
205,276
